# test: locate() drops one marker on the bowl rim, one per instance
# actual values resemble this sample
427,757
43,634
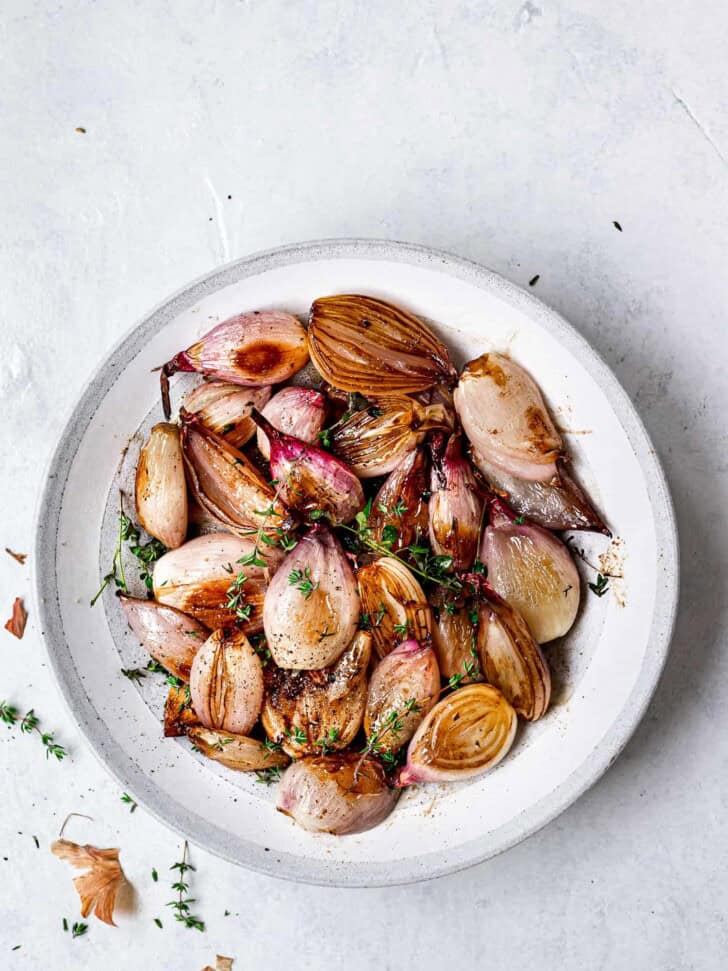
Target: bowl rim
218,841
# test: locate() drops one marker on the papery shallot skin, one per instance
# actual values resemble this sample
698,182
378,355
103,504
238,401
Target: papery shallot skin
171,637
391,595
463,736
456,506
311,480
160,487
504,416
300,412
363,344
238,752
401,503
311,608
226,683
374,440
225,409
262,347
532,570
197,578
340,794
310,712
406,681
512,660
227,485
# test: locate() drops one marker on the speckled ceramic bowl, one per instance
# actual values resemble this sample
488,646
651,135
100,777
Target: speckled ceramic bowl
605,671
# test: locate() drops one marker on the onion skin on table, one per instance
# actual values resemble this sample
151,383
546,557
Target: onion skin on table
160,490
367,345
407,682
341,794
300,412
171,637
225,409
251,349
309,712
197,578
227,484
226,683
532,570
311,608
464,735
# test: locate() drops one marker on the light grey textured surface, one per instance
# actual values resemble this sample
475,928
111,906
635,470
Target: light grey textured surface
512,134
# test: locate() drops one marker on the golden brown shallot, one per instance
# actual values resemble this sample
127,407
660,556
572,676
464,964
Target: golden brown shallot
252,349
393,604
368,345
455,507
310,712
300,412
464,735
204,578
532,570
226,683
403,687
341,793
311,609
160,488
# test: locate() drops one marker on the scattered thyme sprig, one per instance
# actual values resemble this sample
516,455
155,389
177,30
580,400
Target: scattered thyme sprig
181,906
130,802
601,585
327,742
29,723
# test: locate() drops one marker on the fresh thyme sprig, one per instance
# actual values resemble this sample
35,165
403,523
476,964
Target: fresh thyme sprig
328,741
601,585
301,580
267,776
393,725
29,723
131,803
181,905
422,561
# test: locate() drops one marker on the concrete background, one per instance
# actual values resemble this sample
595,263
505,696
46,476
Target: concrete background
511,133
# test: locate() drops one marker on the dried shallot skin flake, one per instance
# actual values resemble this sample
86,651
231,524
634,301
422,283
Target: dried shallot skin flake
16,624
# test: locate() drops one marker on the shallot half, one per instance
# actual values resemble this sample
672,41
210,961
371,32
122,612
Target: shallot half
226,683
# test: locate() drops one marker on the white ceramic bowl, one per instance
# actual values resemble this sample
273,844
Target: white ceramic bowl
605,671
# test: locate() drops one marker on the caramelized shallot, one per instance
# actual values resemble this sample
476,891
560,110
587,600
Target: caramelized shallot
239,752
454,640
309,712
403,688
171,637
511,658
375,439
225,409
455,507
464,735
227,484
338,794
226,683
392,597
311,608
201,579
532,570
310,479
300,412
160,488
399,513
251,349
368,345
